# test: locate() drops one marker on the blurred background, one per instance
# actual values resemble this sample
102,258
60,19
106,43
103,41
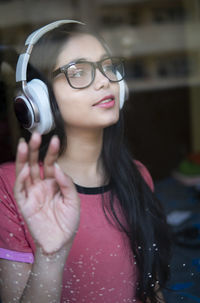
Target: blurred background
160,40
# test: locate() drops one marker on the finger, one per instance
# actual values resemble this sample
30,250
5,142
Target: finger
22,158
51,157
65,183
34,145
22,155
20,189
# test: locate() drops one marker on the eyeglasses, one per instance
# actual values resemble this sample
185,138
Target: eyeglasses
81,73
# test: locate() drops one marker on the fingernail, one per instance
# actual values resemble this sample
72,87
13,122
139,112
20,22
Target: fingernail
21,140
56,165
54,137
35,134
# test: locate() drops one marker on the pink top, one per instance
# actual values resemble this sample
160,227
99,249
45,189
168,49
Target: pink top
100,266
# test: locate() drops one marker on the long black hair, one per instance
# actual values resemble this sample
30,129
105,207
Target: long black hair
146,226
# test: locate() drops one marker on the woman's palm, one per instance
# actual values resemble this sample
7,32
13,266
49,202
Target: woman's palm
52,218
50,204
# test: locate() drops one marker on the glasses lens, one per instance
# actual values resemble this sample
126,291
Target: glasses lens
80,74
113,69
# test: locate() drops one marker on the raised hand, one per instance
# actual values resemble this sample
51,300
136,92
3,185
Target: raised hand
48,202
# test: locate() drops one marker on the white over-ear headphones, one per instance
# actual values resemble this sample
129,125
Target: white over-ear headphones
123,92
32,107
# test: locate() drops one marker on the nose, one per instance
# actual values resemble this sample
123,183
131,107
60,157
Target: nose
100,80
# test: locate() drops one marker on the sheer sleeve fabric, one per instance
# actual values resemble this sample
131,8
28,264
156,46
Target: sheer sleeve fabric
15,241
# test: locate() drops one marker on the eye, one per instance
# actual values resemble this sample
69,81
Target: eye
108,66
74,72
78,70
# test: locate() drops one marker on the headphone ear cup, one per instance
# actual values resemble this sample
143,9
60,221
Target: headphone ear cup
122,92
39,115
24,111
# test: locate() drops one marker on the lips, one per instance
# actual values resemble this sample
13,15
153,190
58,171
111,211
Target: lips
105,100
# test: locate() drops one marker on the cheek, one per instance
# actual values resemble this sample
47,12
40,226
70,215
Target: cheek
117,90
61,89
68,110
63,95
71,110
117,115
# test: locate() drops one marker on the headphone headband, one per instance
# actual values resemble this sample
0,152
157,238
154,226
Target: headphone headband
22,63
36,35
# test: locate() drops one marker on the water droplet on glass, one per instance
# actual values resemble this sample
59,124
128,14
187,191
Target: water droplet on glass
111,289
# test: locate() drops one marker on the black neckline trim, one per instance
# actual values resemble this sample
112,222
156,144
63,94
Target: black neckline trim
92,190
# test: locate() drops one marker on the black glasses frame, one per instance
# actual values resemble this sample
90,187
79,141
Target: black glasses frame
95,65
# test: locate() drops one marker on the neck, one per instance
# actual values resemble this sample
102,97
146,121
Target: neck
81,160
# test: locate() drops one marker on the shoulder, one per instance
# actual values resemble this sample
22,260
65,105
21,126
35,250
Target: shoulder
15,238
7,173
8,167
145,174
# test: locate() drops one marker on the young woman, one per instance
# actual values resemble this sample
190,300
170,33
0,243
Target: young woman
83,224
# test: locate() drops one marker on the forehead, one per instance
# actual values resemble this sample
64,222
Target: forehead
81,46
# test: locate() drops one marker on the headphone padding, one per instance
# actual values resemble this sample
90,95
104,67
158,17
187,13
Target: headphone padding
38,93
122,92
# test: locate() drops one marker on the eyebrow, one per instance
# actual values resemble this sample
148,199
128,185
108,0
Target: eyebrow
86,59
105,56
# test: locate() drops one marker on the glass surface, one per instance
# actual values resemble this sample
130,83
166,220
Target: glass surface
160,42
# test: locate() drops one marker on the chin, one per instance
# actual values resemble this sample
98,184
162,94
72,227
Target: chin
111,121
